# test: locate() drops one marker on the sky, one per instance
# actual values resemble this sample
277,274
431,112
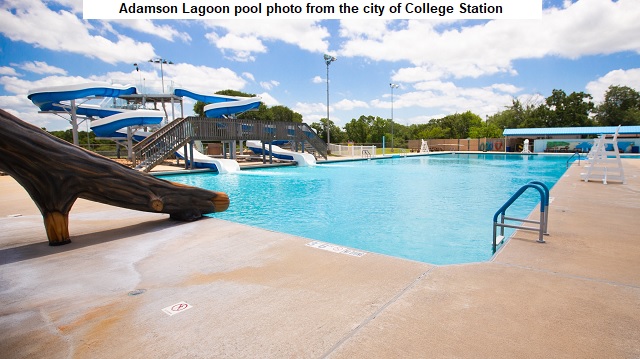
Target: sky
441,67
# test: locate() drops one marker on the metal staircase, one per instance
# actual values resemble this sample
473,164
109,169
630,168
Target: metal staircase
181,132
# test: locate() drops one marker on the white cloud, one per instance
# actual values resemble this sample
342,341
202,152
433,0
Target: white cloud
584,27
268,85
448,97
307,108
8,71
598,88
200,79
23,21
241,48
242,39
249,76
318,80
41,67
163,31
268,100
348,105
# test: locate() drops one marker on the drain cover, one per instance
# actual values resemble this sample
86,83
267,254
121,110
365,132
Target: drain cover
137,292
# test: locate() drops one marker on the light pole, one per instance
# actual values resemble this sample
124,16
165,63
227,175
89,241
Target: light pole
393,86
161,61
139,75
328,59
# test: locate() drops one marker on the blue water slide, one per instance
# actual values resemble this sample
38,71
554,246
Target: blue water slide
109,126
50,98
221,105
110,121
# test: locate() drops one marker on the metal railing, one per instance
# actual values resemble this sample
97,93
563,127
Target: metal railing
162,143
544,214
573,155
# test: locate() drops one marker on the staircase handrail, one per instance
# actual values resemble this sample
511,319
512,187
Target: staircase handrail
302,133
544,207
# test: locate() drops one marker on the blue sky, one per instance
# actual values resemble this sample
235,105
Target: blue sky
442,67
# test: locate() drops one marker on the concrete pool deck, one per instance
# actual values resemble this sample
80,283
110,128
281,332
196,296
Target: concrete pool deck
257,293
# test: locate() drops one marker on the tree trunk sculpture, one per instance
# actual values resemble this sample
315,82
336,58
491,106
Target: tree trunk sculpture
55,173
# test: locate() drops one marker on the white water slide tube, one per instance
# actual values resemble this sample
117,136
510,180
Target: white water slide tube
200,160
303,159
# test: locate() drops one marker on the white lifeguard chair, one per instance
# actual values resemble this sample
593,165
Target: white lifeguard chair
424,147
604,162
525,146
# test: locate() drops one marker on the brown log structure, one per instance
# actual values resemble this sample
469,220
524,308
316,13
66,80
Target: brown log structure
55,173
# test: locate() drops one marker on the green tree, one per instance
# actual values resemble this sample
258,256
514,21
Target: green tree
486,129
380,127
337,135
459,124
283,113
433,131
621,106
569,111
358,130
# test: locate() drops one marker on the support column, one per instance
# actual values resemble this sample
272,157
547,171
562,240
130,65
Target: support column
186,157
233,150
192,164
74,122
129,144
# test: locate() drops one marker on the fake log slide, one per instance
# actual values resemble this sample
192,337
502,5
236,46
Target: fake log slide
55,173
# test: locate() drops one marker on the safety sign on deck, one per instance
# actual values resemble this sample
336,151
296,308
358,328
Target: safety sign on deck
177,308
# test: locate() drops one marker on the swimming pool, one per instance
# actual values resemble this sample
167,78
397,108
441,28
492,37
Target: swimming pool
436,209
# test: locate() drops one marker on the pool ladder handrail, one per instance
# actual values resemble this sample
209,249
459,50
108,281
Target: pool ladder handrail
544,214
366,154
579,158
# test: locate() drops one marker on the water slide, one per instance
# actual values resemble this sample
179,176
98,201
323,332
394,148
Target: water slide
110,121
200,160
303,159
219,106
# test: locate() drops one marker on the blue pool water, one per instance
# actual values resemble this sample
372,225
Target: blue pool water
436,209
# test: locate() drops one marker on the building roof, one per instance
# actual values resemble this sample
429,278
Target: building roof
551,131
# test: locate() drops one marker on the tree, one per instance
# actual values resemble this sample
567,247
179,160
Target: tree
520,115
569,111
621,106
380,127
358,130
486,129
337,135
459,124
283,113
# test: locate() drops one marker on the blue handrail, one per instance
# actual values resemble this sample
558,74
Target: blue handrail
544,211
